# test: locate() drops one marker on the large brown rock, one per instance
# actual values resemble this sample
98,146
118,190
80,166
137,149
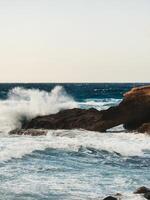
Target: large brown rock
132,112
137,107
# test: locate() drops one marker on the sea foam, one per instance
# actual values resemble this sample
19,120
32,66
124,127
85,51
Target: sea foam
121,144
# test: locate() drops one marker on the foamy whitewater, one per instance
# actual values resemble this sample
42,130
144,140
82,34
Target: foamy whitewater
68,164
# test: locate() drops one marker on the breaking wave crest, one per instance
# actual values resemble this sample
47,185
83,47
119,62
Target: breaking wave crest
25,104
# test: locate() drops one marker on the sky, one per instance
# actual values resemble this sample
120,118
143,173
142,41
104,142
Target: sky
74,40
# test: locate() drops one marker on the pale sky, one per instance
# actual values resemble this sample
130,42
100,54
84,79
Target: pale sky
74,40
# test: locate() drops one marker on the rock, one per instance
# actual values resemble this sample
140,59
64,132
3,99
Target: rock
137,103
32,132
144,90
132,112
70,119
144,128
110,198
118,195
147,195
142,190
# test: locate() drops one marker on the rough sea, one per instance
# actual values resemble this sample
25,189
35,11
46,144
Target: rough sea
68,164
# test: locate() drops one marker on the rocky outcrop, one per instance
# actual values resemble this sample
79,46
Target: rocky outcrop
144,191
132,112
32,132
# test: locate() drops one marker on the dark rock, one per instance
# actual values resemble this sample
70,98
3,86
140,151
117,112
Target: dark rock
118,195
147,195
144,128
70,119
132,112
110,198
142,190
32,132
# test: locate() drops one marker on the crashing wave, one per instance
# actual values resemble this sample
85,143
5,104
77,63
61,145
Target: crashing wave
24,104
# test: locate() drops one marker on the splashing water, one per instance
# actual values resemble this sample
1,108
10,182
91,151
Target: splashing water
25,104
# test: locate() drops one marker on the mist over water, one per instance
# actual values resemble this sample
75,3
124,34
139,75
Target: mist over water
68,164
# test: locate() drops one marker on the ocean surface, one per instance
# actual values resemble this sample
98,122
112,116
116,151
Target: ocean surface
68,164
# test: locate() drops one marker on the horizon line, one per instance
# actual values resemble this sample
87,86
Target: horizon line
135,82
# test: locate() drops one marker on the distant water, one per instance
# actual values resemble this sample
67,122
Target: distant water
68,164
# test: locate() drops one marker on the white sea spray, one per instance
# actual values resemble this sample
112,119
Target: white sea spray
25,104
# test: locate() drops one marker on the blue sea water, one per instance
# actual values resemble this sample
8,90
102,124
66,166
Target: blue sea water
68,164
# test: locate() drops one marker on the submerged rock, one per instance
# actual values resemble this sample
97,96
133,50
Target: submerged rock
132,112
32,132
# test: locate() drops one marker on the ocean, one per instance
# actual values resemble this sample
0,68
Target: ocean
68,164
